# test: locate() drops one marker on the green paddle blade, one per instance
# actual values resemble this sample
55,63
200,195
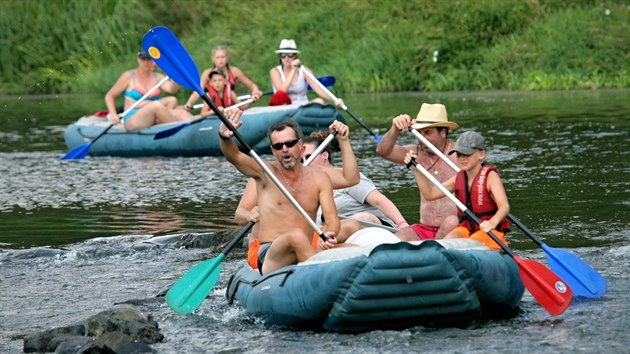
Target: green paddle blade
553,294
583,279
189,291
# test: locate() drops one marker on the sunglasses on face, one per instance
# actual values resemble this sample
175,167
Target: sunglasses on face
289,144
292,55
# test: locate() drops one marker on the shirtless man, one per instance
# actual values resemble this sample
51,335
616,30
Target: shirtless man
285,236
348,176
437,217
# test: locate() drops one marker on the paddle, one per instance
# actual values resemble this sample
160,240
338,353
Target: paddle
325,80
344,107
242,98
171,131
166,50
546,287
367,223
192,288
81,151
581,277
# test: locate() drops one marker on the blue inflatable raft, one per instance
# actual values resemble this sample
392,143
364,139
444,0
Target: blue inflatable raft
385,286
199,139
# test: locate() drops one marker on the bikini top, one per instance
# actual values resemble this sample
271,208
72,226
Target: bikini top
135,93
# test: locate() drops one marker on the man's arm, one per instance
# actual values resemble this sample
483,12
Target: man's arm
349,174
387,148
327,203
243,162
385,205
246,210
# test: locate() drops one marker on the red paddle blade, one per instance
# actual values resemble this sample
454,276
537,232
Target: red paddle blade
551,292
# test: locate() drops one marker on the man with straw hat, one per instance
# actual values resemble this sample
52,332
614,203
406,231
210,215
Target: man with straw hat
437,217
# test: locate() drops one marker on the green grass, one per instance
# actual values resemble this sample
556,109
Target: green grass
61,46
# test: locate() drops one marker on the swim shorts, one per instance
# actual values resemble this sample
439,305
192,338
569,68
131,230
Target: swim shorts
425,232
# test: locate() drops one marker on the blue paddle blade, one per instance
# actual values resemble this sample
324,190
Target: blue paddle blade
78,152
189,291
327,81
581,277
169,54
168,132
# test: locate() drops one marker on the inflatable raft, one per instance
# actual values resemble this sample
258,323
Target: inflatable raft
384,286
199,139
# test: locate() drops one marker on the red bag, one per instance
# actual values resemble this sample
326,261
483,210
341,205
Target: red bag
279,98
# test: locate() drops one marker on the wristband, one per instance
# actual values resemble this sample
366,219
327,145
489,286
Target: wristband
400,223
224,138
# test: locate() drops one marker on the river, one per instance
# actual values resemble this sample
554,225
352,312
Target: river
75,237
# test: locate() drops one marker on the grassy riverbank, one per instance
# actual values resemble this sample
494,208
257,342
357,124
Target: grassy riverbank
370,46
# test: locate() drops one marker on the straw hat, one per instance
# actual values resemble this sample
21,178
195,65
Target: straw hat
287,46
433,115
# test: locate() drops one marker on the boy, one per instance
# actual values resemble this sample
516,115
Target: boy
478,186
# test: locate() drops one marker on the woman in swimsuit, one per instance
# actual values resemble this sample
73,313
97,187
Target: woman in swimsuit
288,80
220,61
154,110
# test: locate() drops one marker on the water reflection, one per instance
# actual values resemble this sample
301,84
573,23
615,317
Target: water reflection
563,156
560,154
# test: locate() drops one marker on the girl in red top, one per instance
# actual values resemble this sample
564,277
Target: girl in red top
221,61
478,186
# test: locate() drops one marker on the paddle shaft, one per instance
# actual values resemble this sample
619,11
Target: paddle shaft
460,205
144,97
320,148
335,99
247,98
264,166
133,106
366,223
79,152
456,168
190,290
313,156
171,131
582,278
325,80
168,52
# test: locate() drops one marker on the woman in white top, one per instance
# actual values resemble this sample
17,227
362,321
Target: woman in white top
288,79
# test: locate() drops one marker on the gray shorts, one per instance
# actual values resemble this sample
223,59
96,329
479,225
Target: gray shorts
262,252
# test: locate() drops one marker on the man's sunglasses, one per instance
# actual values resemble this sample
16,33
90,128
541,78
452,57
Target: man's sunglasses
289,144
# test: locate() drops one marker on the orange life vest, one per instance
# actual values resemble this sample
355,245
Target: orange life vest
254,246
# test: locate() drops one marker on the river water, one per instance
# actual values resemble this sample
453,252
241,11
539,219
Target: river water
77,237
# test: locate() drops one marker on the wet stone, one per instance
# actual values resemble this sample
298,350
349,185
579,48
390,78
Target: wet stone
122,329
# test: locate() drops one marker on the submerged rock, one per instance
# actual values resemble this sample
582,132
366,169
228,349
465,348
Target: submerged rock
210,240
122,329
